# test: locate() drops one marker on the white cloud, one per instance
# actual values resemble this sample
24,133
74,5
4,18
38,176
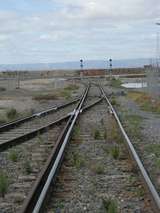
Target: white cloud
83,27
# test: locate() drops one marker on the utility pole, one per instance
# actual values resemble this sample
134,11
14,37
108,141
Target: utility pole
158,47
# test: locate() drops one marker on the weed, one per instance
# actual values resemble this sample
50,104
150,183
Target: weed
115,152
106,149
13,155
40,139
98,168
66,94
110,205
105,134
145,101
72,87
140,191
114,134
60,206
3,118
115,83
133,123
97,134
154,149
48,96
158,163
4,184
114,101
27,167
102,121
12,114
78,160
76,133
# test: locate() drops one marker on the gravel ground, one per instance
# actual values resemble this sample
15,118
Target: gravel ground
23,171
90,175
22,99
35,123
147,142
22,164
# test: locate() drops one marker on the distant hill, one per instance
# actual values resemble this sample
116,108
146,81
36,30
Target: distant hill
75,65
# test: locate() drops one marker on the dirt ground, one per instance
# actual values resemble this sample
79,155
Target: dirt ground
23,99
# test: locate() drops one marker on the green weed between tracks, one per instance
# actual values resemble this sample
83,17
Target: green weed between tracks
4,183
13,155
110,205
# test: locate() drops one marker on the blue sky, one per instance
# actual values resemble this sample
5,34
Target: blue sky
35,31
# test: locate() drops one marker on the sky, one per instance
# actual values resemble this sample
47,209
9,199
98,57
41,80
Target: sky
45,31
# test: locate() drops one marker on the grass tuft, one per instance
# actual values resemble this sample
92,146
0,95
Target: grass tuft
97,134
110,205
27,167
13,155
115,83
47,97
98,168
115,152
4,184
76,137
114,101
78,160
12,114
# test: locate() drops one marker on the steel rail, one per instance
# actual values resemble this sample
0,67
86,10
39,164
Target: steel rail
21,139
91,105
38,195
56,165
18,122
154,194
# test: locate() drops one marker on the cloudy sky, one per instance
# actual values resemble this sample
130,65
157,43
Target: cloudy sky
34,31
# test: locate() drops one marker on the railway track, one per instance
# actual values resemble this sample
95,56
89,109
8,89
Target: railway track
23,129
46,181
35,148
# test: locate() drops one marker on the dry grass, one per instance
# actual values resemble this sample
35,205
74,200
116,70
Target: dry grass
145,101
45,97
114,134
56,94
